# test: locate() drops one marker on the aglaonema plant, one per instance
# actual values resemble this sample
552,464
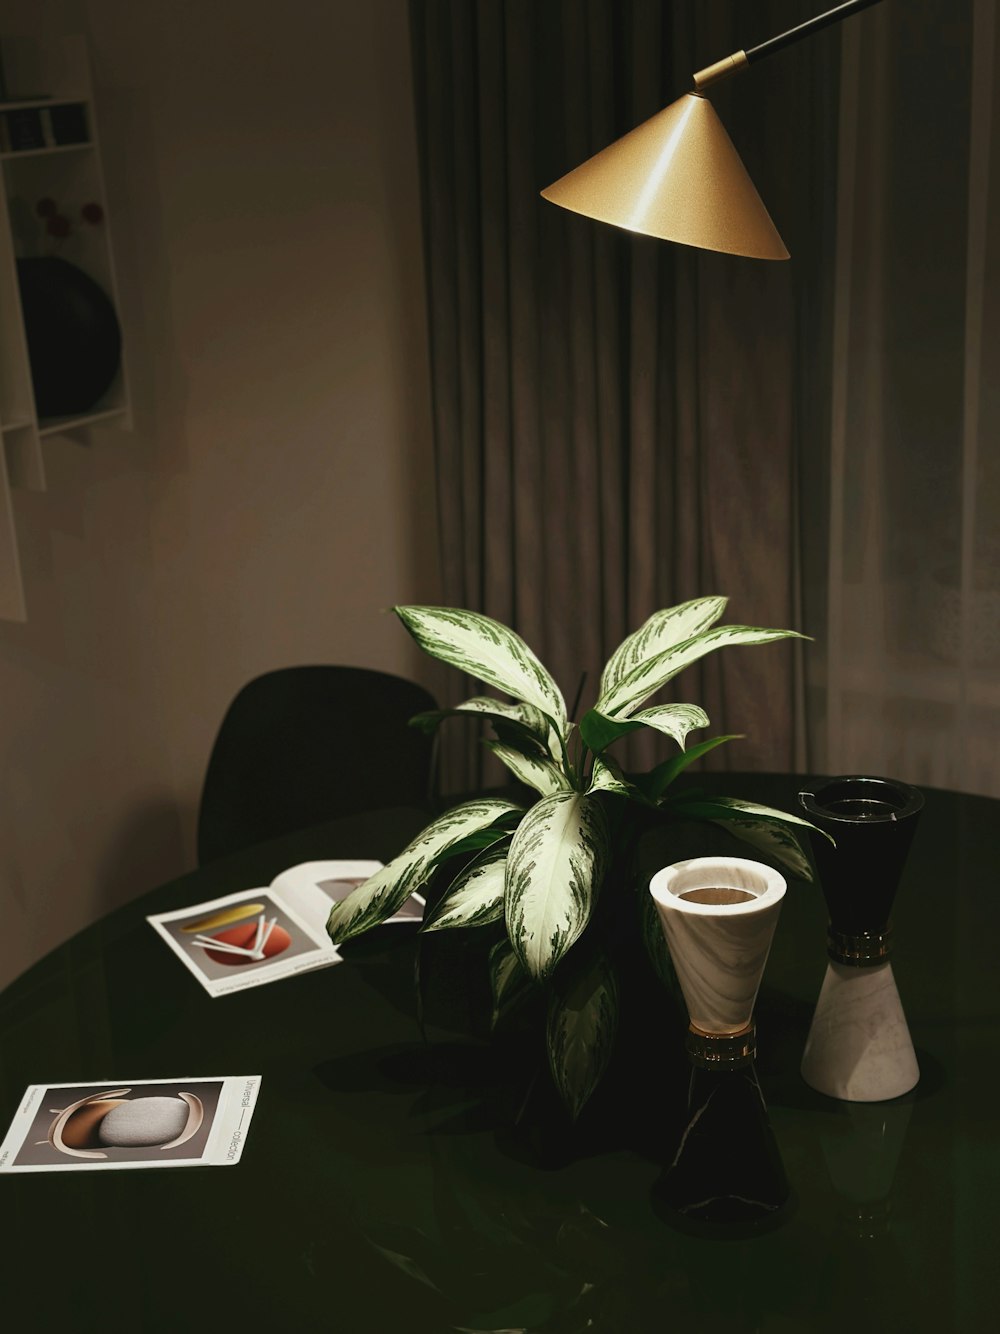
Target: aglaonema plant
540,870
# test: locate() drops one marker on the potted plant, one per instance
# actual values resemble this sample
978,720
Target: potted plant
552,881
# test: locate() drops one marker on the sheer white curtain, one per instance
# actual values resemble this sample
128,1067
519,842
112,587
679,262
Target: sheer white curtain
912,670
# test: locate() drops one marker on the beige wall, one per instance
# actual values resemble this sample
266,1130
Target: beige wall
276,491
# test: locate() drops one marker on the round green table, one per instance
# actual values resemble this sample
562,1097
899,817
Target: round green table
374,1194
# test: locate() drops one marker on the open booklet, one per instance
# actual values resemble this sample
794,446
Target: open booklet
260,935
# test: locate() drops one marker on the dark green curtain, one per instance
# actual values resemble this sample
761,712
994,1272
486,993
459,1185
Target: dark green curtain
620,423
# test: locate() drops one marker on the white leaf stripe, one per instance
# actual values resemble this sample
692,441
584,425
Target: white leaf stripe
608,777
519,722
525,715
580,1033
773,838
488,651
378,898
741,807
674,720
541,774
663,630
476,895
645,679
755,808
556,862
387,890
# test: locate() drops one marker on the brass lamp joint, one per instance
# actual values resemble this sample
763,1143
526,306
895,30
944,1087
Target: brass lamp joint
720,70
721,1051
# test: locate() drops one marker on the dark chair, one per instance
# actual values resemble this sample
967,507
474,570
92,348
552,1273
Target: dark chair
303,745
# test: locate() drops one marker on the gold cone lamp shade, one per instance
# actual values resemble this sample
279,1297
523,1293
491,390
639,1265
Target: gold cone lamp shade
678,177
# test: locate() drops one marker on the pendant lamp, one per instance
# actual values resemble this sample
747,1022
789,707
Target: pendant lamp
678,177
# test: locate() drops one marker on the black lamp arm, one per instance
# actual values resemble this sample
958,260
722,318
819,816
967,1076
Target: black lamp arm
741,59
810,26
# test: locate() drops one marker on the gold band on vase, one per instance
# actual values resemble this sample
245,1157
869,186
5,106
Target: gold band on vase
721,1051
866,950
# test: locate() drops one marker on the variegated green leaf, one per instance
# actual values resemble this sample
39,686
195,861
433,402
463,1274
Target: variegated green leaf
608,777
527,716
544,775
598,731
734,808
405,1264
623,698
674,720
476,895
387,890
656,945
659,779
487,651
555,866
508,980
520,739
582,1021
777,840
664,629
482,838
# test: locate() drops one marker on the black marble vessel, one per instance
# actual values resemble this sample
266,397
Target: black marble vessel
872,821
859,1046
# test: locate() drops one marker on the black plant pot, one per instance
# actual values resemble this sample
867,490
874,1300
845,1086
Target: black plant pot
74,340
507,1069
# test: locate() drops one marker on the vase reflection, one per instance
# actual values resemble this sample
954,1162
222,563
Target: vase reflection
861,1151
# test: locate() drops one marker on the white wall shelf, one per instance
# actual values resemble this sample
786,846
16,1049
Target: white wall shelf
71,174
60,425
48,151
41,103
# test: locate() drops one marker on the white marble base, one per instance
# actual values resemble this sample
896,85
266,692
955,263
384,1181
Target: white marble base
859,1046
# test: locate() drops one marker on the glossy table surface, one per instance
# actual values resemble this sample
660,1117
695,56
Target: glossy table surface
374,1193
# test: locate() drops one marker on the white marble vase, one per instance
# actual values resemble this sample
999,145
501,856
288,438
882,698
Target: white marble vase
718,915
